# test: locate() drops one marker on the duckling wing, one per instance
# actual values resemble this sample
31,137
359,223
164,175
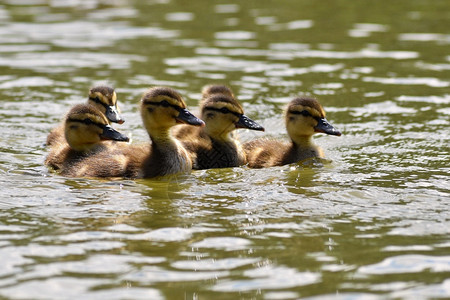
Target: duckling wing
62,157
116,160
265,153
56,135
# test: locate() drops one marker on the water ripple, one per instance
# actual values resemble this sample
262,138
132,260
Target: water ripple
234,35
57,62
366,29
445,99
214,264
431,291
76,288
268,277
152,274
26,82
386,107
364,53
226,243
413,263
293,25
226,8
165,235
425,37
82,34
429,81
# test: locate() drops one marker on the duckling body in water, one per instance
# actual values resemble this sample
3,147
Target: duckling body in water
86,131
104,98
215,146
304,117
161,109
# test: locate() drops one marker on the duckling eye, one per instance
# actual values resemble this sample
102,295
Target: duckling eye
164,103
87,121
224,110
304,113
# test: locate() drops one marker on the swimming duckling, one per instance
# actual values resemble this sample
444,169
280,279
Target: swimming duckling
304,117
85,128
161,109
214,145
103,98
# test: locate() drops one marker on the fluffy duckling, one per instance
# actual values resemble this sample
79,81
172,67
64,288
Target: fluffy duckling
104,98
304,117
85,128
214,146
161,109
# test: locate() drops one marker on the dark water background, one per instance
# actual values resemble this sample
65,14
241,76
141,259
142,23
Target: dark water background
373,224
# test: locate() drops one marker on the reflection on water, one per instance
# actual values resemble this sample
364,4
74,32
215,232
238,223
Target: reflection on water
371,221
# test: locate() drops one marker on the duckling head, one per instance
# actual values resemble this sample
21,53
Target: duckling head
86,126
223,113
105,99
304,117
162,108
209,90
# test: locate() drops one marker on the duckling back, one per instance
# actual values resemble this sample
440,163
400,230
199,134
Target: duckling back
114,160
263,153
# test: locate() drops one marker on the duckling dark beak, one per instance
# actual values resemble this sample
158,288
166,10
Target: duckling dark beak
110,133
113,115
246,122
325,127
186,117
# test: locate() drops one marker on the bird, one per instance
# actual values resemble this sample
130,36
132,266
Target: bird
104,98
304,117
161,109
86,131
215,145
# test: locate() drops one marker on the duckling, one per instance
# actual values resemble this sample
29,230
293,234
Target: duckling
214,146
304,117
103,98
161,109
85,128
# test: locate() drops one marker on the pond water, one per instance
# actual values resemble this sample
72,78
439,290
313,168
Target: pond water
372,224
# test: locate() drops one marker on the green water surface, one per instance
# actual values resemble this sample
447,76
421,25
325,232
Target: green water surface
373,224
